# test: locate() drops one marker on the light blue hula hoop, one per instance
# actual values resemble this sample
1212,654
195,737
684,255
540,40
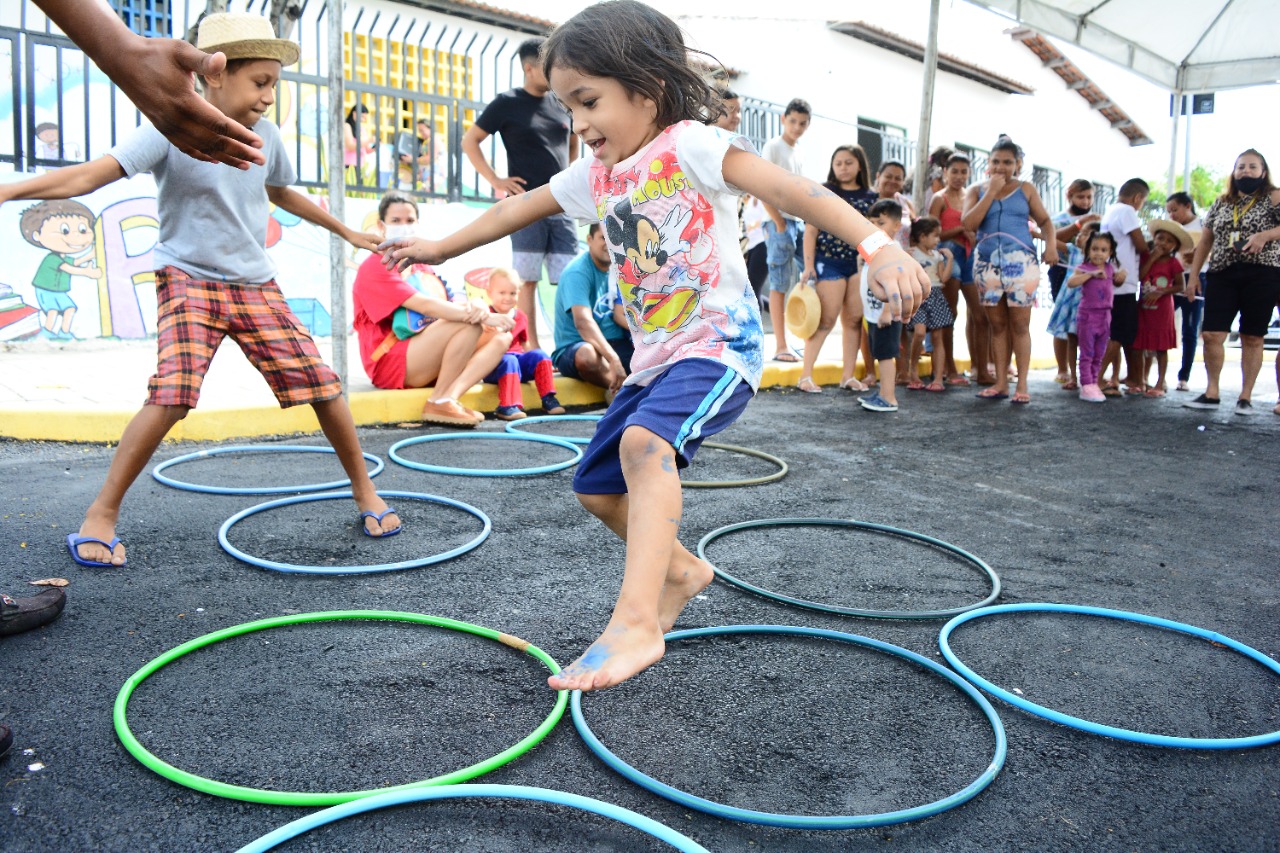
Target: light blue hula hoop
1098,728
508,792
486,436
517,427
808,821
351,570
158,471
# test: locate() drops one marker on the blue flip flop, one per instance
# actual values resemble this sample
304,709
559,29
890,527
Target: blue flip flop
74,542
376,516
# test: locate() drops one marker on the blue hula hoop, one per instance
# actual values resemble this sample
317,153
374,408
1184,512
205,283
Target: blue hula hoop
1098,728
351,570
517,427
838,609
394,453
508,792
158,471
809,821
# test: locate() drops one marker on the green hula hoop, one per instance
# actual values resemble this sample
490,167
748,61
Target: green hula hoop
307,799
728,484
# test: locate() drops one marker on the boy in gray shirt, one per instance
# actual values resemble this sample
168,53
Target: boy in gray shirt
214,277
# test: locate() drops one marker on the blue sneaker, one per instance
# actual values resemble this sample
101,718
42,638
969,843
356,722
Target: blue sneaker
509,413
551,405
873,402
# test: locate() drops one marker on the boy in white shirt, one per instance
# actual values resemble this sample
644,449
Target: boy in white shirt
783,232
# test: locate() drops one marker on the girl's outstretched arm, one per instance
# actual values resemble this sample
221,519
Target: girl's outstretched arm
506,217
905,283
67,182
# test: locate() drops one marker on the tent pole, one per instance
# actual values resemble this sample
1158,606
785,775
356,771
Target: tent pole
1186,157
926,109
1173,138
337,194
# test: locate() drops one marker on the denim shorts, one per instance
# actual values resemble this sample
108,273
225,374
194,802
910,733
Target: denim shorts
963,266
834,269
782,248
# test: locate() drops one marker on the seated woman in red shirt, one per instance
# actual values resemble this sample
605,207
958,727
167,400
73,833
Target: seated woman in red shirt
452,344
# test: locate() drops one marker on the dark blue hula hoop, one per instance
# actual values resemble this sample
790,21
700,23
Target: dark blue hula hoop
509,792
394,453
158,471
851,611
1098,728
517,427
808,821
351,570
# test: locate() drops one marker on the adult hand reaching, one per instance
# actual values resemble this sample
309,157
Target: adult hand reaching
155,74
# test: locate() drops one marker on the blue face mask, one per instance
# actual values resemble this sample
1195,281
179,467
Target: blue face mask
1248,186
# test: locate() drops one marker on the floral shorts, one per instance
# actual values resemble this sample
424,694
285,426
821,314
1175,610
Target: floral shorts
1010,271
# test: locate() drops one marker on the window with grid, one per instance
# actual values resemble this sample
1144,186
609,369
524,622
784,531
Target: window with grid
402,65
146,17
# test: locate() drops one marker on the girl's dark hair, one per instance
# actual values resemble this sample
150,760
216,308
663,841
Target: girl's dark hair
941,156
1183,199
1101,235
1232,193
395,197
1004,143
643,50
351,115
922,226
864,176
957,157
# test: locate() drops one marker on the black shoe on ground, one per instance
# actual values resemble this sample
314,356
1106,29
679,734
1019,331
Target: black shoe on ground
1204,401
1244,407
6,739
23,614
551,405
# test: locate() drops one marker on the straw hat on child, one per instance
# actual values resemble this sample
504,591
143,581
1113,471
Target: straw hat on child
240,35
1185,240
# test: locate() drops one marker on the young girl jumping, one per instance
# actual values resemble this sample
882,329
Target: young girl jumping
1098,275
664,185
833,263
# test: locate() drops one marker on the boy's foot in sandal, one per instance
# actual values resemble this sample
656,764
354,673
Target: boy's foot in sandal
992,394
1021,398
936,387
1072,385
379,521
1155,392
959,380
96,545
1111,389
915,385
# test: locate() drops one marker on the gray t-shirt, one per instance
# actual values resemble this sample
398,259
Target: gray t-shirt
779,153
213,218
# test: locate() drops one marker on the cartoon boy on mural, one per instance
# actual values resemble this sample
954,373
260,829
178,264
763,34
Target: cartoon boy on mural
65,228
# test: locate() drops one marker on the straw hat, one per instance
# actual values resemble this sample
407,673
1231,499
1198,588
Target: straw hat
803,311
1184,238
243,36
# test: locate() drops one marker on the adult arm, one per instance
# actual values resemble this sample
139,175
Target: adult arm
506,217
1071,230
155,74
302,207
905,283
1257,242
471,147
977,202
1042,219
1139,242
67,182
589,330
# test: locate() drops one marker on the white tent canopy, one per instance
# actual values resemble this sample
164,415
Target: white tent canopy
1181,45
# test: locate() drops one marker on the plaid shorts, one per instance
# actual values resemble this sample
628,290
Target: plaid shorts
195,315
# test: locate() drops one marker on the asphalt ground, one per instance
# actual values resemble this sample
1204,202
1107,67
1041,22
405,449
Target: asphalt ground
1136,505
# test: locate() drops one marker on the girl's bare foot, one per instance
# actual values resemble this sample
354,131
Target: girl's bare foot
687,577
623,650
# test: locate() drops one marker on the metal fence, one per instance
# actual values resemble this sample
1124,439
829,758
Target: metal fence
400,64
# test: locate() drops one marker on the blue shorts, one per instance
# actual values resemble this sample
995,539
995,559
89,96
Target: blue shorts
695,398
54,300
885,341
785,252
552,241
568,367
835,269
962,268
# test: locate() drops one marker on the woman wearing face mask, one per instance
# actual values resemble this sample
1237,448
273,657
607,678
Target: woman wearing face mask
415,336
1241,240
